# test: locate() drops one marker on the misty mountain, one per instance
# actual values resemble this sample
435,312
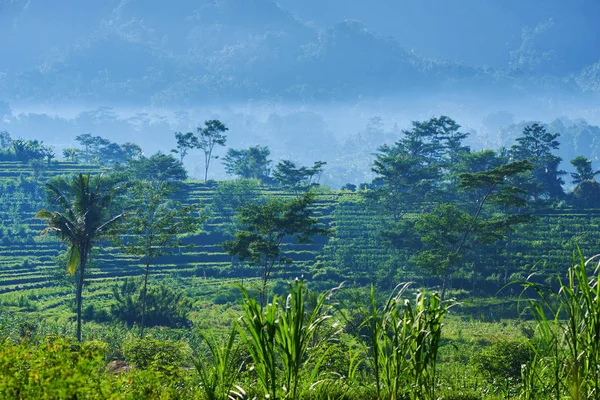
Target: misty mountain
189,52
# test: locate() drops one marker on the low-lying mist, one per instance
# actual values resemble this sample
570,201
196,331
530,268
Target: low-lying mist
344,134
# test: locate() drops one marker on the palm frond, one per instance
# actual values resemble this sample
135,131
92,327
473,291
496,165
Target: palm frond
73,259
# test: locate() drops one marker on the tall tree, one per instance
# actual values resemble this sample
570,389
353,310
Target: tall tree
78,215
185,143
251,163
92,147
544,182
265,226
412,169
441,237
155,226
211,135
402,183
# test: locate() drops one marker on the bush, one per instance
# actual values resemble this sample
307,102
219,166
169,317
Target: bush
56,369
227,295
504,360
157,355
164,306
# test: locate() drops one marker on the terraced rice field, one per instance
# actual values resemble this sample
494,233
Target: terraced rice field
30,264
355,253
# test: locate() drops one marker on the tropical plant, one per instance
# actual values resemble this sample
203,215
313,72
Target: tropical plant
218,373
79,217
567,349
288,332
402,339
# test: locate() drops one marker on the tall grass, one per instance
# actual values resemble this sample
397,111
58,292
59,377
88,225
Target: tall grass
283,339
403,338
567,344
218,374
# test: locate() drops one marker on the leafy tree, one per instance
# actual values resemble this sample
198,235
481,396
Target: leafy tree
584,171
131,151
587,192
587,195
26,150
402,183
298,178
93,146
251,163
98,149
265,226
111,154
155,226
79,217
433,140
158,167
442,236
536,144
211,135
70,154
412,169
185,143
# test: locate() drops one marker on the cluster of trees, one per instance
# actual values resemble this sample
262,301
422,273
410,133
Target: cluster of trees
250,163
24,150
444,201
147,221
95,149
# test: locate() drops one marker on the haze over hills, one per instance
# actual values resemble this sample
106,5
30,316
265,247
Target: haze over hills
200,51
286,73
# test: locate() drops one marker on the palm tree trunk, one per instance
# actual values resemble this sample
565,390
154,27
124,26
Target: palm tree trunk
78,295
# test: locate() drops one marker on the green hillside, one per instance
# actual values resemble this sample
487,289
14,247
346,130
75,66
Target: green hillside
354,253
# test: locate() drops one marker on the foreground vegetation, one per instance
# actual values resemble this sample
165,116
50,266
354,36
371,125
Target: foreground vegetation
333,345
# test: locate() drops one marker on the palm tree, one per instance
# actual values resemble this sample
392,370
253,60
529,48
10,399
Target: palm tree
584,170
79,220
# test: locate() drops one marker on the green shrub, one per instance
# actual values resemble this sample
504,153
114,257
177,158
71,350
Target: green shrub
57,369
164,306
154,354
504,360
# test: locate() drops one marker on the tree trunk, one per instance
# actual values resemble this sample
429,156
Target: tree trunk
443,287
78,294
144,291
206,164
508,254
